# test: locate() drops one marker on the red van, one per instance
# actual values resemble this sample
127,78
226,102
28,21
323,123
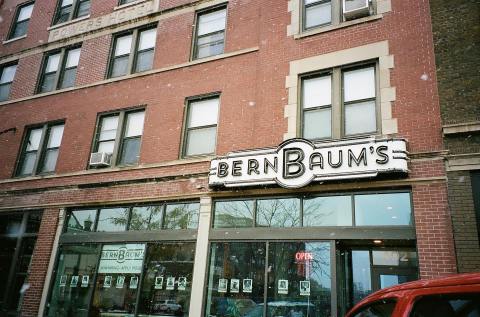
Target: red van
453,296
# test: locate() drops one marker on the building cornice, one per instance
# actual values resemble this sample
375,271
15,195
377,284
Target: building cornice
463,127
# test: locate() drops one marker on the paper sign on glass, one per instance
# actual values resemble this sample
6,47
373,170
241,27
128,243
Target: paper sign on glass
222,285
247,285
120,281
133,282
234,285
85,280
158,282
107,283
182,283
170,283
305,288
74,281
282,286
63,280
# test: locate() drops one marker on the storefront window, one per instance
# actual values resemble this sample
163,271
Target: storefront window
362,280
327,211
81,220
112,219
234,214
383,209
278,212
236,279
146,218
167,280
73,284
181,216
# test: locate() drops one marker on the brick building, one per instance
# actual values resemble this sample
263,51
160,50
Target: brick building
217,157
457,48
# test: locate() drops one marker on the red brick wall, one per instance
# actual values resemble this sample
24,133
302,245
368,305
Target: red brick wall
40,261
435,245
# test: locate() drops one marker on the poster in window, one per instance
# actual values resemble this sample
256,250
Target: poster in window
158,282
182,283
63,280
133,282
74,281
120,281
170,283
282,286
234,285
222,285
305,288
85,280
247,285
107,283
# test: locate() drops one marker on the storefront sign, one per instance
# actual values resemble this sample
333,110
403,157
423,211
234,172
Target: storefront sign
122,258
297,162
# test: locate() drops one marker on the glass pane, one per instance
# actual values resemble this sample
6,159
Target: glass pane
55,137
299,279
146,218
72,58
8,74
68,78
201,141
387,280
16,296
52,63
25,13
181,216
4,92
81,220
123,45
130,151
7,248
278,212
20,29
210,45
106,147
48,83
144,61
134,124
28,163
318,15
234,287
211,22
327,211
25,255
395,258
317,124
360,118
113,219
204,112
383,308
108,128
167,281
383,209
234,214
73,284
317,92
11,223
34,139
83,8
49,161
362,283
447,305
63,14
33,223
354,4
147,39
120,66
118,279
66,3
359,84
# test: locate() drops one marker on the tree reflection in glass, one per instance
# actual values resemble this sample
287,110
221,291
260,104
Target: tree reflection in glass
234,214
242,262
278,212
181,216
146,218
327,211
113,219
296,262
164,261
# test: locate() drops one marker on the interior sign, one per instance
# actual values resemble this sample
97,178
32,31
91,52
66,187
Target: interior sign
121,258
297,162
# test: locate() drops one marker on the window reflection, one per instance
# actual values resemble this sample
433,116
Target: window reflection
81,220
146,218
181,216
383,209
112,219
234,214
327,211
278,212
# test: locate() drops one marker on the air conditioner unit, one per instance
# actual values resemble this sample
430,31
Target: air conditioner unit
353,9
100,159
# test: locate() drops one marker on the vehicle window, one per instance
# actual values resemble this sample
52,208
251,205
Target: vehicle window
383,308
455,305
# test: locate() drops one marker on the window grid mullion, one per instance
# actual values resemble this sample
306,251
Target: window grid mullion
133,51
40,150
118,137
72,14
61,67
336,104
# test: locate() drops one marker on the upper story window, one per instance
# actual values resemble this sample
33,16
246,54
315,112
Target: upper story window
317,13
59,69
340,102
201,127
126,1
210,33
118,138
40,149
71,9
132,52
22,18
7,74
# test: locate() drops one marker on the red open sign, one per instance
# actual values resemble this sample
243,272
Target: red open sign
303,256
